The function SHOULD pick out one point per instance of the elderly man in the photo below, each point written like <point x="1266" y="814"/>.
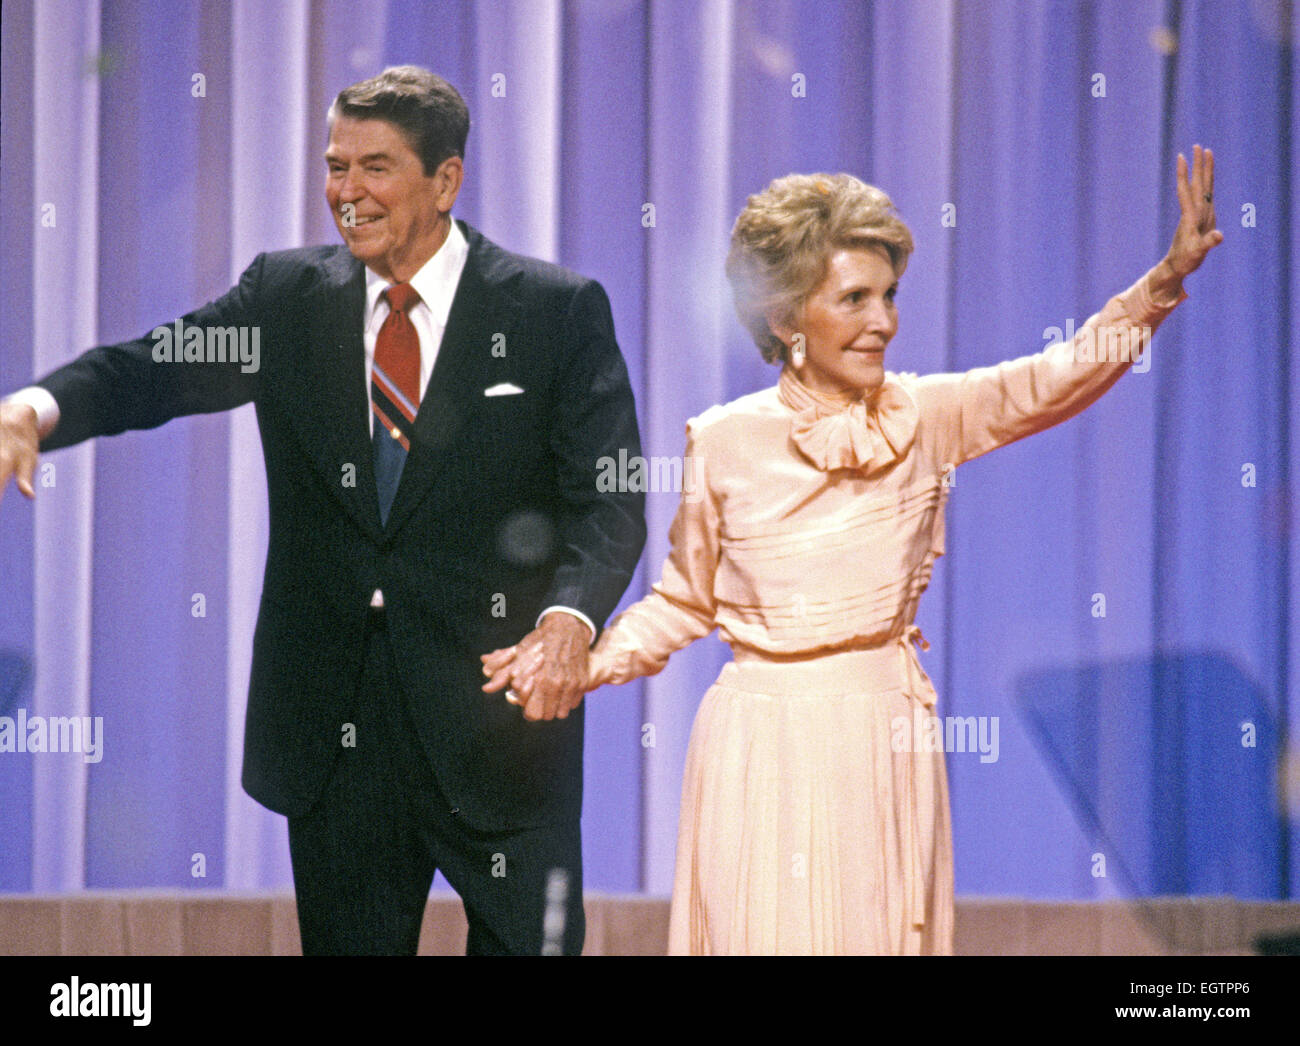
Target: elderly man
<point x="432" y="408"/>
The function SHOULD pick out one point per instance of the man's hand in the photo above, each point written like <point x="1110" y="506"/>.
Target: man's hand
<point x="19" y="444"/>
<point x="546" y="670"/>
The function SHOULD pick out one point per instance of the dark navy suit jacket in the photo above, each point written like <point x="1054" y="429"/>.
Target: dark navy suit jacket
<point x="497" y="517"/>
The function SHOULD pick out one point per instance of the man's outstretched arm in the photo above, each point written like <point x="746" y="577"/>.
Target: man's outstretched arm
<point x="137" y="384"/>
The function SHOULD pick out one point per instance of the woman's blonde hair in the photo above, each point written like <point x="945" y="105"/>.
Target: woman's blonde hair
<point x="783" y="239"/>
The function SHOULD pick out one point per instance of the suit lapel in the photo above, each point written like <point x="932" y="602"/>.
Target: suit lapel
<point x="480" y="310"/>
<point x="332" y="409"/>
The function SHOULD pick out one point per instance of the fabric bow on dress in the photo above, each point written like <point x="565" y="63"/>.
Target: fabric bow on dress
<point x="868" y="434"/>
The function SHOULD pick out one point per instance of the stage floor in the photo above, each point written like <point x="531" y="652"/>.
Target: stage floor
<point x="219" y="923"/>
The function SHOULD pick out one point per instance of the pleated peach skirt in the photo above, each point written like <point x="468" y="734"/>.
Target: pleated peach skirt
<point x="802" y="831"/>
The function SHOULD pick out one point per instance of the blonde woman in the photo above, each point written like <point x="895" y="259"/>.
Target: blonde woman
<point x="816" y="519"/>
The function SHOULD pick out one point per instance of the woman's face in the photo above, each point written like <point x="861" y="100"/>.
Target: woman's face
<point x="846" y="322"/>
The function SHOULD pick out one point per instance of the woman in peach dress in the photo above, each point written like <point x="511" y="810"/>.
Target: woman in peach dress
<point x="806" y="538"/>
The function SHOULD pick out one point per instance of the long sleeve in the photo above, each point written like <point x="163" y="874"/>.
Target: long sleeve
<point x="680" y="607"/>
<point x="976" y="411"/>
<point x="600" y="532"/>
<point x="115" y="388"/>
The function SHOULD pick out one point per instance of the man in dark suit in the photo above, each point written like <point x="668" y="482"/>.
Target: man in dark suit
<point x="432" y="409"/>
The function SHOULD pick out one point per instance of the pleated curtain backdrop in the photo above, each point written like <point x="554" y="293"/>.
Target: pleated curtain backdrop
<point x="1116" y="597"/>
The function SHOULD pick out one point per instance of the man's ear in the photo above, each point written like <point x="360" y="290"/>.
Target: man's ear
<point x="450" y="175"/>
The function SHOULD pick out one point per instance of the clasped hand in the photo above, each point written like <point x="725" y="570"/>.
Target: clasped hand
<point x="546" y="671"/>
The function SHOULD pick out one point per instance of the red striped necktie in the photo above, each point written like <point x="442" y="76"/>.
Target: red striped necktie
<point x="394" y="391"/>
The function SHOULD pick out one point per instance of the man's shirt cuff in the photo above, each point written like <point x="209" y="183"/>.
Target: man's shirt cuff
<point x="569" y="610"/>
<point x="40" y="400"/>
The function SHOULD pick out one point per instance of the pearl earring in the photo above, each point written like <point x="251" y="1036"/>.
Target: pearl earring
<point x="796" y="355"/>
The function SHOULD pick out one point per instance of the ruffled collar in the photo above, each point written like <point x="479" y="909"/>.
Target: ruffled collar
<point x="868" y="433"/>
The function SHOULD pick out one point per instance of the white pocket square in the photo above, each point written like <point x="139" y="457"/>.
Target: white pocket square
<point x="504" y="389"/>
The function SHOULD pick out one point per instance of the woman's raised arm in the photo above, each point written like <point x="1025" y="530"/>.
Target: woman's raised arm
<point x="972" y="412"/>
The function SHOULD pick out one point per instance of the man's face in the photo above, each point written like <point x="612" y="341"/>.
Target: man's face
<point x="392" y="215"/>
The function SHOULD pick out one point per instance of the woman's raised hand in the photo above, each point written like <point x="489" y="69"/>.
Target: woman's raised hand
<point x="1196" y="233"/>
